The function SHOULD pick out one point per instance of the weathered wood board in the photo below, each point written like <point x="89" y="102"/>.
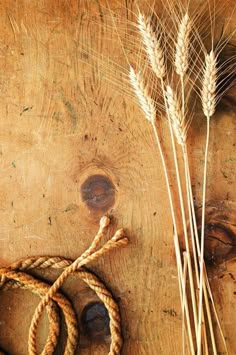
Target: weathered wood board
<point x="73" y="148"/>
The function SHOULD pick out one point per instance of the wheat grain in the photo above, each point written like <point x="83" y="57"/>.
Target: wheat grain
<point x="175" y="115"/>
<point x="145" y="101"/>
<point x="209" y="85"/>
<point x="152" y="45"/>
<point x="182" y="46"/>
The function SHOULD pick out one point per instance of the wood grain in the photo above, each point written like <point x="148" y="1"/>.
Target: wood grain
<point x="61" y="124"/>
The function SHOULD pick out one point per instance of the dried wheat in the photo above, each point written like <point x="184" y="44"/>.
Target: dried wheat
<point x="209" y="85"/>
<point x="208" y="106"/>
<point x="182" y="46"/>
<point x="175" y="115"/>
<point x="152" y="45"/>
<point x="145" y="101"/>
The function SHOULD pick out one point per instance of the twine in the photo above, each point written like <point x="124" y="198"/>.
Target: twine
<point x="16" y="275"/>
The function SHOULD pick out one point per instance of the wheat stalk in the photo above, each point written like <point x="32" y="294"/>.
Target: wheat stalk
<point x="208" y="107"/>
<point x="145" y="100"/>
<point x="153" y="46"/>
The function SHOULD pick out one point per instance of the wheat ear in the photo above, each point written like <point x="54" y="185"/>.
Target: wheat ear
<point x="152" y="45"/>
<point x="208" y="106"/>
<point x="182" y="46"/>
<point x="175" y="114"/>
<point x="209" y="85"/>
<point x="145" y="100"/>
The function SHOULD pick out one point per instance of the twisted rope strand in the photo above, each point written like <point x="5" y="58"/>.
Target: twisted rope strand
<point x="85" y="258"/>
<point x="41" y="288"/>
<point x="16" y="276"/>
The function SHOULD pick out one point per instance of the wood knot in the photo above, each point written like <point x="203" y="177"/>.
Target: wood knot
<point x="95" y="321"/>
<point x="98" y="193"/>
<point x="220" y="232"/>
<point x="219" y="244"/>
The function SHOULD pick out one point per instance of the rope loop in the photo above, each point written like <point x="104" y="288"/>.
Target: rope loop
<point x="17" y="276"/>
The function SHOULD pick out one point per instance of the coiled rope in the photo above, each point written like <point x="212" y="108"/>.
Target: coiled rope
<point x="16" y="275"/>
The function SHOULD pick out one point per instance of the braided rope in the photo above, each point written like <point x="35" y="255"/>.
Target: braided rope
<point x="16" y="276"/>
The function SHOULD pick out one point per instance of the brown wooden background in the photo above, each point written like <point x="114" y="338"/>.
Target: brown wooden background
<point x="61" y="123"/>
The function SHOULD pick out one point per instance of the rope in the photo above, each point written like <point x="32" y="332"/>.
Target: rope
<point x="16" y="275"/>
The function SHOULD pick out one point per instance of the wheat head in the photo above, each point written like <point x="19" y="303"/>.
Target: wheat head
<point x="152" y="46"/>
<point x="208" y="93"/>
<point x="182" y="46"/>
<point x="175" y="115"/>
<point x="145" y="101"/>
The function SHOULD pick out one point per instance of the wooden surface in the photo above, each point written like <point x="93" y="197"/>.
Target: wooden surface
<point x="72" y="148"/>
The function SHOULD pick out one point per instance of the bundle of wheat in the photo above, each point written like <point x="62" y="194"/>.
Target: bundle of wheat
<point x="202" y="74"/>
<point x="178" y="67"/>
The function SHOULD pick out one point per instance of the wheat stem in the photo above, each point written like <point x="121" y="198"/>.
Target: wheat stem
<point x="176" y="243"/>
<point x="208" y="311"/>
<point x="193" y="214"/>
<point x="202" y="240"/>
<point x="208" y="106"/>
<point x="183" y="295"/>
<point x="215" y="312"/>
<point x="173" y="113"/>
<point x="195" y="239"/>
<point x="190" y="211"/>
<point x="194" y="235"/>
<point x="148" y="108"/>
<point x="181" y="202"/>
<point x="166" y="177"/>
<point x="182" y="209"/>
<point x="181" y="280"/>
<point x="185" y="307"/>
<point x="205" y="293"/>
